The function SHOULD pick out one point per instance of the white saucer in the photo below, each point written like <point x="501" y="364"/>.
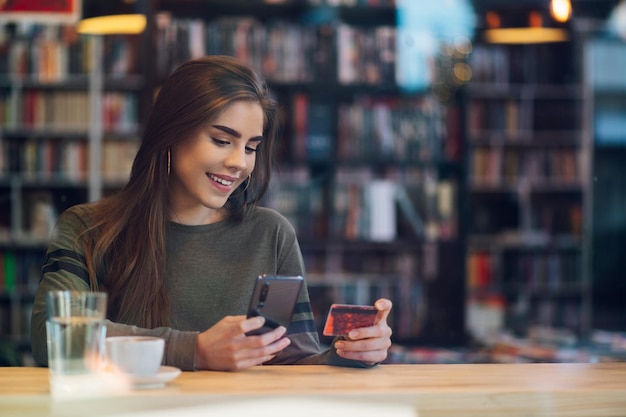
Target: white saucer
<point x="158" y="380"/>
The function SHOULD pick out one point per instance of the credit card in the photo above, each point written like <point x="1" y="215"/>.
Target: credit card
<point x="342" y="318"/>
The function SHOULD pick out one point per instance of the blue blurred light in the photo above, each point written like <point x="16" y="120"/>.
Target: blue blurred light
<point x="423" y="25"/>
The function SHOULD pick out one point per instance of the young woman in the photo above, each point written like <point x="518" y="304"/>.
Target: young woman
<point x="179" y="247"/>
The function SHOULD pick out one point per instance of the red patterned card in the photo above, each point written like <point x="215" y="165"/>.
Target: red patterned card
<point x="342" y="318"/>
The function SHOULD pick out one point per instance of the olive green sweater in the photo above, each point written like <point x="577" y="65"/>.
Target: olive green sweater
<point x="211" y="270"/>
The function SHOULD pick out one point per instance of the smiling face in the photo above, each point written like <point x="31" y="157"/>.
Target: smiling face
<point x="208" y="167"/>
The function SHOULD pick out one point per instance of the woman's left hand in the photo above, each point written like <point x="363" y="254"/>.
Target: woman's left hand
<point x="369" y="344"/>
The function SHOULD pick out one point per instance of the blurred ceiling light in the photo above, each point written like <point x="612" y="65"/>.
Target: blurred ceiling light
<point x="561" y="10"/>
<point x="525" y="35"/>
<point x="524" y="26"/>
<point x="120" y="24"/>
<point x="113" y="17"/>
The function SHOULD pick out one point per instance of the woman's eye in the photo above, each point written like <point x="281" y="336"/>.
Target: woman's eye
<point x="220" y="142"/>
<point x="250" y="150"/>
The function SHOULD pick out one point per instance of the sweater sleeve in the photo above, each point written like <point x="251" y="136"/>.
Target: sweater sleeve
<point x="64" y="268"/>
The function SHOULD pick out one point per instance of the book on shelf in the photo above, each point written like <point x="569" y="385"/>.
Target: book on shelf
<point x="320" y="137"/>
<point x="514" y="269"/>
<point x="300" y="199"/>
<point x="486" y="166"/>
<point x="490" y="64"/>
<point x="380" y="201"/>
<point x="69" y="111"/>
<point x="426" y="203"/>
<point x="53" y="110"/>
<point x="453" y="146"/>
<point x="479" y="273"/>
<point x="365" y="55"/>
<point x="322" y="41"/>
<point x="36" y="158"/>
<point x="283" y="51"/>
<point x="8" y="279"/>
<point x="409" y="211"/>
<point x="500" y="166"/>
<point x="120" y="112"/>
<point x="20" y="270"/>
<point x="41" y="215"/>
<point x="446" y="209"/>
<point x="300" y="123"/>
<point x="117" y="159"/>
<point x="489" y="116"/>
<point x="508" y="65"/>
<point x="283" y="46"/>
<point x="395" y="128"/>
<point x="538" y="272"/>
<point x="55" y="53"/>
<point x="46" y="53"/>
<point x="121" y="55"/>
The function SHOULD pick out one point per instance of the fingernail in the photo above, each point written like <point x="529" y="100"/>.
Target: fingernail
<point x="338" y="345"/>
<point x="353" y="334"/>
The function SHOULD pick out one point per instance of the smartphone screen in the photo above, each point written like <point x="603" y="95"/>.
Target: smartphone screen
<point x="274" y="297"/>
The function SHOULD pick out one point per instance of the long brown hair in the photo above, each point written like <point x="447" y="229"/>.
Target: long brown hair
<point x="125" y="246"/>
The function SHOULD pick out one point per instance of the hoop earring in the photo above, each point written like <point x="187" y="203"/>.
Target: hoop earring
<point x="168" y="162"/>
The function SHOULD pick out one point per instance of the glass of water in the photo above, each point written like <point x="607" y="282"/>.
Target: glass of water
<point x="76" y="334"/>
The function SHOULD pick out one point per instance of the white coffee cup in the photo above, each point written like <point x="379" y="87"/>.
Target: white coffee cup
<point x="135" y="355"/>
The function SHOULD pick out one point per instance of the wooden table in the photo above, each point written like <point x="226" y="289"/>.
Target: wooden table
<point x="432" y="390"/>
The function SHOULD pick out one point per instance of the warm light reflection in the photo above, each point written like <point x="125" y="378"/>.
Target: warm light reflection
<point x="525" y="35"/>
<point x="462" y="72"/>
<point x="493" y="20"/>
<point x="561" y="10"/>
<point x="535" y="20"/>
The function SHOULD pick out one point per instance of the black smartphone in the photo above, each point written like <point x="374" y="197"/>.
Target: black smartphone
<point x="274" y="297"/>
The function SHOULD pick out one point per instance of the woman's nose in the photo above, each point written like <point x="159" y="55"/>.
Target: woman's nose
<point x="236" y="158"/>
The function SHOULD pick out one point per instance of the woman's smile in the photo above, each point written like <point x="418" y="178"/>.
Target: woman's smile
<point x="222" y="182"/>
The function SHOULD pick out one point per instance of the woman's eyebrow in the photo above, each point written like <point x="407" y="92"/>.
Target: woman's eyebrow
<point x="235" y="133"/>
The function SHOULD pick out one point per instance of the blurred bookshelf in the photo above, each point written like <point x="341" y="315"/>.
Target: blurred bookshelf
<point x="527" y="173"/>
<point x="52" y="107"/>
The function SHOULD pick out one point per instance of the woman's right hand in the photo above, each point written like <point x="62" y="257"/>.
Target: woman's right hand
<point x="225" y="346"/>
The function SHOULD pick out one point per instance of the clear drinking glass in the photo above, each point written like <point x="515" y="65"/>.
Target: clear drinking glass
<point x="76" y="334"/>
